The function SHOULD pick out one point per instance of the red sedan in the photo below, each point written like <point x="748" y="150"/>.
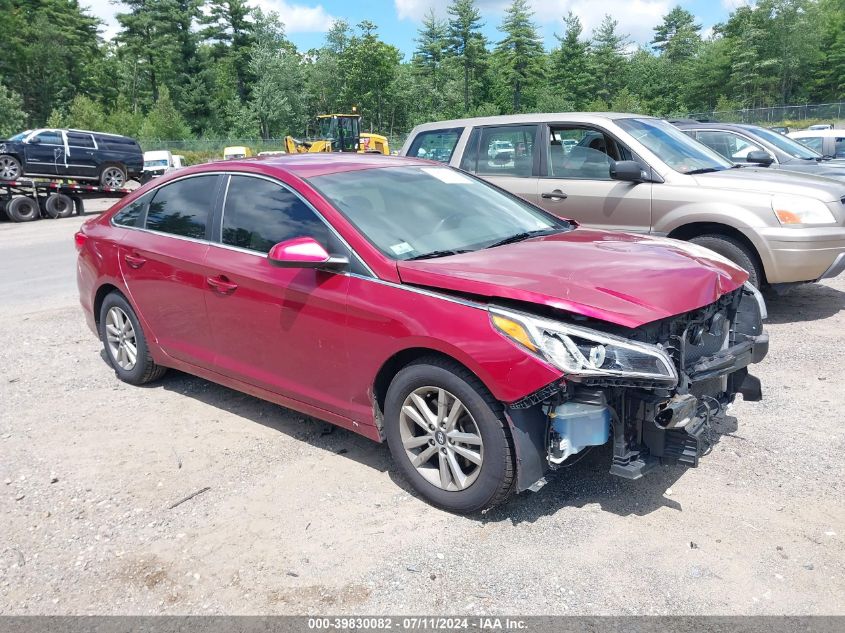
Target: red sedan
<point x="484" y="339"/>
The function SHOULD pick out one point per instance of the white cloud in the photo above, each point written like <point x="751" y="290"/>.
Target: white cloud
<point x="297" y="18"/>
<point x="636" y="18"/>
<point x="416" y="10"/>
<point x="732" y="5"/>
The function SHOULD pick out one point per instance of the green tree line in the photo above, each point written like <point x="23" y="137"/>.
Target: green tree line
<point x="180" y="69"/>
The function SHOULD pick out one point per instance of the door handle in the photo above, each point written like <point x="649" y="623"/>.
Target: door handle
<point x="557" y="194"/>
<point x="221" y="284"/>
<point x="134" y="261"/>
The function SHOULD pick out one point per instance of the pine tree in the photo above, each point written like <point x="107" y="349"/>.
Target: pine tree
<point x="466" y="41"/>
<point x="607" y="60"/>
<point x="678" y="37"/>
<point x="570" y="71"/>
<point x="521" y="50"/>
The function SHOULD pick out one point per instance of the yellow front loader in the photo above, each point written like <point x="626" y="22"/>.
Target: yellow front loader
<point x="339" y="133"/>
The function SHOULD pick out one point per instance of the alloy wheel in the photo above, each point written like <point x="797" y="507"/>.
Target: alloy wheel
<point x="9" y="168"/>
<point x="120" y="334"/>
<point x="441" y="438"/>
<point x="113" y="177"/>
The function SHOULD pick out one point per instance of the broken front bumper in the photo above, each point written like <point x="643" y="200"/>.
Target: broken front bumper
<point x="648" y="427"/>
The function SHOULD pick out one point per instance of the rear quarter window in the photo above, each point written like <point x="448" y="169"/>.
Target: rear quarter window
<point x="436" y="145"/>
<point x="183" y="207"/>
<point x="133" y="213"/>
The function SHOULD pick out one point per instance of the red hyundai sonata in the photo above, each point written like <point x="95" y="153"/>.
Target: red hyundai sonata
<point x="485" y="340"/>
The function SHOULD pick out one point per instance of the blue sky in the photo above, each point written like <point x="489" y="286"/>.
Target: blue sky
<point x="398" y="20"/>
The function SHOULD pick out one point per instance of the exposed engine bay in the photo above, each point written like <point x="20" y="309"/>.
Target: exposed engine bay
<point x="650" y="418"/>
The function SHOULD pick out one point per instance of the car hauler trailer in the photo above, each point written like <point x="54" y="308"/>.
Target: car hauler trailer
<point x="27" y="199"/>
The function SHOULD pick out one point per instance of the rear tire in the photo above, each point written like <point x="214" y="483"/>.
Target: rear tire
<point x="59" y="205"/>
<point x="23" y="209"/>
<point x="735" y="251"/>
<point x="113" y="176"/>
<point x="10" y="168"/>
<point x="125" y="343"/>
<point x="464" y="453"/>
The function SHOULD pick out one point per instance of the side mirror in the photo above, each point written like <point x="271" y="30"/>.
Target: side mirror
<point x="304" y="252"/>
<point x="34" y="140"/>
<point x="626" y="170"/>
<point x="759" y="157"/>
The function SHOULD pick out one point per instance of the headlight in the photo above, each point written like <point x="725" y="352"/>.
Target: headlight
<point x="579" y="351"/>
<point x="799" y="210"/>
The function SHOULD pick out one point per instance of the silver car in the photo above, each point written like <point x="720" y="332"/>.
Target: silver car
<point x="641" y="174"/>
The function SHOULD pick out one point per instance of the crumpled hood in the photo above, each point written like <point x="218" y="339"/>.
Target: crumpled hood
<point x="774" y="181"/>
<point x="621" y="278"/>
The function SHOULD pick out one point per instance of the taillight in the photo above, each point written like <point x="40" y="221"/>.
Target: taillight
<point x="79" y="239"/>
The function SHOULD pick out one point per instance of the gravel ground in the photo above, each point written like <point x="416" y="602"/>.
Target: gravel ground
<point x="300" y="520"/>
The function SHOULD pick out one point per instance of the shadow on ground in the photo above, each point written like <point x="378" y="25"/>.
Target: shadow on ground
<point x="808" y="302"/>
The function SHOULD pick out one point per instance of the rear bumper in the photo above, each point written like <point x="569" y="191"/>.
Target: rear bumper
<point x="808" y="254"/>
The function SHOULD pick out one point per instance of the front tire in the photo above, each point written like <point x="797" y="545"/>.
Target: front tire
<point x="449" y="437"/>
<point x="10" y="167"/>
<point x="735" y="251"/>
<point x="125" y="343"/>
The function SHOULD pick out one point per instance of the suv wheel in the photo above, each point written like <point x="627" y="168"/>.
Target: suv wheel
<point x="10" y="168"/>
<point x="124" y="342"/>
<point x="449" y="436"/>
<point x="735" y="251"/>
<point x="113" y="177"/>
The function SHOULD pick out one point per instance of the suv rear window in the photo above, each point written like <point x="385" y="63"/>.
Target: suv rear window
<point x="436" y="145"/>
<point x="502" y="151"/>
<point x="183" y="207"/>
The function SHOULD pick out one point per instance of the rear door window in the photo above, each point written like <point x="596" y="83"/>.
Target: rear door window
<point x="75" y="139"/>
<point x="436" y="145"/>
<point x="259" y="214"/>
<point x="839" y="147"/>
<point x="506" y="151"/>
<point x="183" y="207"/>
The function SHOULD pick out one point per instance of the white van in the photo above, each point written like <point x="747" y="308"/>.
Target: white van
<point x="159" y="162"/>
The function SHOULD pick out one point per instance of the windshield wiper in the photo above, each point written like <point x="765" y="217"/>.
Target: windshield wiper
<point x="703" y="170"/>
<point x="519" y="237"/>
<point x="436" y="254"/>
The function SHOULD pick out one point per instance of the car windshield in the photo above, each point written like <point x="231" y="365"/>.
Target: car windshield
<point x="786" y="144"/>
<point x="673" y="147"/>
<point x="419" y="212"/>
<point x="20" y="137"/>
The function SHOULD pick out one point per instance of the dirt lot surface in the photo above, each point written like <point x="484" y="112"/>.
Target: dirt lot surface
<point x="296" y="520"/>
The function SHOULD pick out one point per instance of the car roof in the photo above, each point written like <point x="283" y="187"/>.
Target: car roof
<point x="504" y="119"/>
<point x="827" y="132"/>
<point x="713" y="125"/>
<point x="308" y="165"/>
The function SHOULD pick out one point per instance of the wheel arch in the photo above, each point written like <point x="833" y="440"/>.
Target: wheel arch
<point x="102" y="292"/>
<point x="397" y="362"/>
<point x="696" y="229"/>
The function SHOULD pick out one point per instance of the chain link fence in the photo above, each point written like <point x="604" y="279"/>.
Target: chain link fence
<point x="215" y="146"/>
<point x="828" y="112"/>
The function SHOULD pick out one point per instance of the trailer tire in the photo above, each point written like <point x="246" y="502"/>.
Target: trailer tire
<point x="58" y="205"/>
<point x="23" y="209"/>
<point x="113" y="176"/>
<point x="10" y="167"/>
